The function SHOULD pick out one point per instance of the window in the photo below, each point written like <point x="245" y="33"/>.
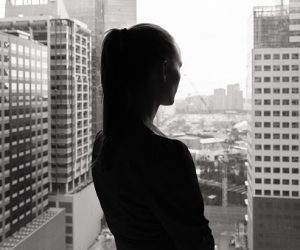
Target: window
<point x="285" y="67"/>
<point x="257" y="102"/>
<point x="276" y="136"/>
<point x="285" y="182"/>
<point x="267" y="79"/>
<point x="295" y="113"/>
<point x="285" y="159"/>
<point x="257" y="191"/>
<point x="267" y="147"/>
<point x="276" y="147"/>
<point x="257" y="68"/>
<point x="276" y="91"/>
<point x="267" y="113"/>
<point x="285" y="79"/>
<point x="276" y="113"/>
<point x="267" y="90"/>
<point x="276" y="124"/>
<point x="257" y="124"/>
<point x="285" y="193"/>
<point x="295" y="90"/>
<point x="295" y="67"/>
<point x="295" y="136"/>
<point x="276" y="67"/>
<point x="257" y="79"/>
<point x="285" y="113"/>
<point x="257" y="90"/>
<point x="276" y="102"/>
<point x="257" y="56"/>
<point x="276" y="79"/>
<point x="257" y="113"/>
<point x="267" y="56"/>
<point x="285" y="171"/>
<point x="295" y="79"/>
<point x="295" y="102"/>
<point x="295" y="56"/>
<point x="257" y="136"/>
<point x="285" y="136"/>
<point x="267" y="102"/>
<point x="267" y="124"/>
<point x="295" y="171"/>
<point x="257" y="180"/>
<point x="295" y="148"/>
<point x="285" y="147"/>
<point x="267" y="136"/>
<point x="267" y="170"/>
<point x="285" y="91"/>
<point x="295" y="182"/>
<point x="276" y="193"/>
<point x="267" y="181"/>
<point x="276" y="56"/>
<point x="285" y="102"/>
<point x="258" y="169"/>
<point x="285" y="56"/>
<point x="267" y="68"/>
<point x="257" y="146"/>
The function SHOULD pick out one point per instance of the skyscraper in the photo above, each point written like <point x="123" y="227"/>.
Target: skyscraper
<point x="234" y="97"/>
<point x="273" y="174"/>
<point x="100" y="16"/>
<point x="219" y="99"/>
<point x="24" y="172"/>
<point x="91" y="12"/>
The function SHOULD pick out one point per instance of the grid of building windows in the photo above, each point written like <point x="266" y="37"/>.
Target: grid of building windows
<point x="24" y="179"/>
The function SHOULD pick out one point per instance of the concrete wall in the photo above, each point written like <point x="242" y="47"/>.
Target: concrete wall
<point x="87" y="214"/>
<point x="49" y="237"/>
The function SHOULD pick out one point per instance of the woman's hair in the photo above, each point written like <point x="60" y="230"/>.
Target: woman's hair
<point x="127" y="57"/>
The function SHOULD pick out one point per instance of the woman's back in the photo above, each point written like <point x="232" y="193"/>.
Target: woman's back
<point x="149" y="192"/>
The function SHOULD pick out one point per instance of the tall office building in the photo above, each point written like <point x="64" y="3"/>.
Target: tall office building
<point x="234" y="98"/>
<point x="69" y="46"/>
<point x="100" y="16"/>
<point x="24" y="171"/>
<point x="91" y="12"/>
<point x="273" y="174"/>
<point x="219" y="99"/>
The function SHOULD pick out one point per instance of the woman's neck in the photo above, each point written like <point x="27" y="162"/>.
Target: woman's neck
<point x="144" y="109"/>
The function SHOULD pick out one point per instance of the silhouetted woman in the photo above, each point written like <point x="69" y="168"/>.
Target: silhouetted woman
<point x="146" y="183"/>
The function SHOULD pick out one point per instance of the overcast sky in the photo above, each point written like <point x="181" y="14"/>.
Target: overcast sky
<point x="214" y="37"/>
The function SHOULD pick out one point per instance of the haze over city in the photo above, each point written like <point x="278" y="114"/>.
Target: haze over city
<point x="213" y="37"/>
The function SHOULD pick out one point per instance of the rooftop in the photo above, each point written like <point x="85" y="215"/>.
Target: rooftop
<point x="25" y="232"/>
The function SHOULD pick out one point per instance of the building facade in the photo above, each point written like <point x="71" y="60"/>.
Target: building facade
<point x="24" y="132"/>
<point x="273" y="172"/>
<point x="92" y="13"/>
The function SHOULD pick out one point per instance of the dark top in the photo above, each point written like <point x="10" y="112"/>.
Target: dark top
<point x="150" y="194"/>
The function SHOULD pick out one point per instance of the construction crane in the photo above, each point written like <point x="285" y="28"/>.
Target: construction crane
<point x="197" y="92"/>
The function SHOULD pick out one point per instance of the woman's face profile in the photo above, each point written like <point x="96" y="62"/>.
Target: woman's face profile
<point x="172" y="78"/>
